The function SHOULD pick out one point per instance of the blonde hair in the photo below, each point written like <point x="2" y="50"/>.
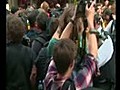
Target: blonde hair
<point x="45" y="6"/>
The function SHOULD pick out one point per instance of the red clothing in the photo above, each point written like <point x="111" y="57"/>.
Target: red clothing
<point x="82" y="80"/>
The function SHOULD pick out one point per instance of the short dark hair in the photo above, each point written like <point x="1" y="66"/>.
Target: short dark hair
<point x="97" y="19"/>
<point x="15" y="29"/>
<point x="32" y="17"/>
<point x="63" y="55"/>
<point x="41" y="20"/>
<point x="14" y="10"/>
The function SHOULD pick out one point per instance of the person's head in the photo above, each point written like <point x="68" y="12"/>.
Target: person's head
<point x="15" y="29"/>
<point x="32" y="17"/>
<point x="57" y="5"/>
<point x="107" y="14"/>
<point x="29" y="9"/>
<point x="22" y="6"/>
<point x="53" y="26"/>
<point x="41" y="20"/>
<point x="64" y="55"/>
<point x="98" y="8"/>
<point x="45" y="6"/>
<point x="14" y="10"/>
<point x="106" y="3"/>
<point x="97" y="21"/>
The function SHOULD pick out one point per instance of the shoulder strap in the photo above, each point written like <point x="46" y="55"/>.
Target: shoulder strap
<point x="68" y="83"/>
<point x="41" y="39"/>
<point x="111" y="31"/>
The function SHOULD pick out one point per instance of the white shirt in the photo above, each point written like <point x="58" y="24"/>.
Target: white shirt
<point x="105" y="52"/>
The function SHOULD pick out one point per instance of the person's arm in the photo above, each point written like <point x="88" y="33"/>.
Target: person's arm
<point x="92" y="40"/>
<point x="57" y="35"/>
<point x="84" y="77"/>
<point x="68" y="29"/>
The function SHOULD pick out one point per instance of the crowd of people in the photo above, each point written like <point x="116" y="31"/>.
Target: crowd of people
<point x="61" y="48"/>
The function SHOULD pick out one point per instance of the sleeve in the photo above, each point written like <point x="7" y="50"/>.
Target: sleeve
<point x="51" y="45"/>
<point x="83" y="78"/>
<point x="105" y="52"/>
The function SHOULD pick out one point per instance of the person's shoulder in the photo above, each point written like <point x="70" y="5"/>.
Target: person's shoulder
<point x="29" y="51"/>
<point x="54" y="40"/>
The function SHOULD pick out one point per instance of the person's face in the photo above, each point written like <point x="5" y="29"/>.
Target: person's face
<point x="107" y="17"/>
<point x="106" y="2"/>
<point x="99" y="10"/>
<point x="97" y="25"/>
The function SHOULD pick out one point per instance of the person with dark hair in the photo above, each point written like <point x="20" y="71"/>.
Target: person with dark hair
<point x="40" y="40"/>
<point x="14" y="10"/>
<point x="41" y="22"/>
<point x="31" y="33"/>
<point x="64" y="57"/>
<point x="98" y="8"/>
<point x="106" y="55"/>
<point x="107" y="17"/>
<point x="20" y="58"/>
<point x="32" y="18"/>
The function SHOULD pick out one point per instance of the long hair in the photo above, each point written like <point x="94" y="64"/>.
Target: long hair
<point x="65" y="19"/>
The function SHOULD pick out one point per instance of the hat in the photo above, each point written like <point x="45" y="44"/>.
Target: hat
<point x="107" y="12"/>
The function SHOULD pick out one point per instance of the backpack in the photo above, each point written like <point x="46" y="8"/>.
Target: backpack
<point x="68" y="83"/>
<point x="29" y="37"/>
<point x="42" y="62"/>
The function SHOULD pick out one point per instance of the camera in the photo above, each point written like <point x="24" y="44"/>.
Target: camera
<point x="81" y="7"/>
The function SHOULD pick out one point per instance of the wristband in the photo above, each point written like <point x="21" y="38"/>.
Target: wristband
<point x="94" y="32"/>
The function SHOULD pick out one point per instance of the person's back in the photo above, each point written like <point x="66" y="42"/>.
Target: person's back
<point x="19" y="63"/>
<point x="41" y="21"/>
<point x="19" y="59"/>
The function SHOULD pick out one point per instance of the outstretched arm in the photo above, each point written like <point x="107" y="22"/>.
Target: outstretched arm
<point x="68" y="29"/>
<point x="92" y="40"/>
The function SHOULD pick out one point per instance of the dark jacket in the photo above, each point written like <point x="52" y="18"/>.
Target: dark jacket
<point x="39" y="42"/>
<point x="19" y="61"/>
